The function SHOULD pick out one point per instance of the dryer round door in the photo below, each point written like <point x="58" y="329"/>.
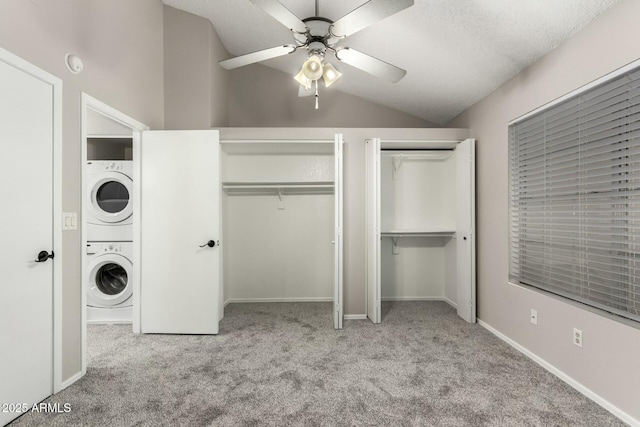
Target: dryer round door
<point x="110" y="197"/>
<point x="109" y="281"/>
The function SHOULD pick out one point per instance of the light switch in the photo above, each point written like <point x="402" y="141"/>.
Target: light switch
<point x="69" y="221"/>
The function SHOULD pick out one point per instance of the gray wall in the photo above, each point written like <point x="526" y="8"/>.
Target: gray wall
<point x="195" y="87"/>
<point x="608" y="364"/>
<point x="262" y="96"/>
<point x="120" y="42"/>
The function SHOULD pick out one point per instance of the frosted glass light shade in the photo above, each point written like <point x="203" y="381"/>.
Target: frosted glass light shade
<point x="303" y="80"/>
<point x="312" y="67"/>
<point x="330" y="74"/>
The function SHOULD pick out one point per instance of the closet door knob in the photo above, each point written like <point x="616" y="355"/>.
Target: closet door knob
<point x="464" y="238"/>
<point x="210" y="243"/>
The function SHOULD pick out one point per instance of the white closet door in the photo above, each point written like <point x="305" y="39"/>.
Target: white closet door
<point x="338" y="238"/>
<point x="179" y="215"/>
<point x="465" y="230"/>
<point x="374" y="260"/>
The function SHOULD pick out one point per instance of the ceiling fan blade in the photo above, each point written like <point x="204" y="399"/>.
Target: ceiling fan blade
<point x="370" y="64"/>
<point x="367" y="14"/>
<point x="281" y="14"/>
<point x="261" y="55"/>
<point x="302" y="91"/>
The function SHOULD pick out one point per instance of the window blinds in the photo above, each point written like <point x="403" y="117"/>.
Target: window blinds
<point x="574" y="202"/>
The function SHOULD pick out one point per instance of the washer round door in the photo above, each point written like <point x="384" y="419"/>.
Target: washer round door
<point x="110" y="197"/>
<point x="109" y="281"/>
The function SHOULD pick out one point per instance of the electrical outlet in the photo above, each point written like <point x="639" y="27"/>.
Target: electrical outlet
<point x="577" y="337"/>
<point x="534" y="316"/>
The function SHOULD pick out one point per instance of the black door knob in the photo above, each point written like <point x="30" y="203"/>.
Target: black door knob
<point x="210" y="243"/>
<point x="44" y="255"/>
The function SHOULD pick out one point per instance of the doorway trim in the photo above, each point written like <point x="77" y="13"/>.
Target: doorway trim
<point x="56" y="86"/>
<point x="89" y="102"/>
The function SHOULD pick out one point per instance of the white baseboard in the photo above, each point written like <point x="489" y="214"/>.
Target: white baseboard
<point x="413" y="299"/>
<point x="451" y="303"/>
<point x="66" y="383"/>
<point x="355" y="317"/>
<point x="311" y="299"/>
<point x="227" y="302"/>
<point x="444" y="299"/>
<point x="564" y="377"/>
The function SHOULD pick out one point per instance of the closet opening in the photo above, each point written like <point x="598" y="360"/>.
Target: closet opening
<point x="420" y="225"/>
<point x="282" y="213"/>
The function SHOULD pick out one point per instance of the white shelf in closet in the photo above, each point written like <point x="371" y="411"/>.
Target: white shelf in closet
<point x="257" y="188"/>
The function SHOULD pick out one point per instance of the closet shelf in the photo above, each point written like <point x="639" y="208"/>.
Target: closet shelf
<point x="278" y="188"/>
<point x="432" y="155"/>
<point x="127" y="137"/>
<point x="418" y="233"/>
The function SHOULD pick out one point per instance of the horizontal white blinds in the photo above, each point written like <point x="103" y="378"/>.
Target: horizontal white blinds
<point x="574" y="172"/>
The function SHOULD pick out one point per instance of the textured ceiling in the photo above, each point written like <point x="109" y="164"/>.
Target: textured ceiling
<point x="455" y="51"/>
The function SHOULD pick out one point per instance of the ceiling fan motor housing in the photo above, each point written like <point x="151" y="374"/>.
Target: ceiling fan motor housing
<point x="318" y="35"/>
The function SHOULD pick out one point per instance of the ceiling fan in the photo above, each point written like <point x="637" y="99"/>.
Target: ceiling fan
<point x="318" y="35"/>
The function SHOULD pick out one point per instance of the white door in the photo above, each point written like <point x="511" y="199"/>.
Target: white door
<point x="26" y="227"/>
<point x="180" y="232"/>
<point x="373" y="230"/>
<point x="465" y="230"/>
<point x="338" y="238"/>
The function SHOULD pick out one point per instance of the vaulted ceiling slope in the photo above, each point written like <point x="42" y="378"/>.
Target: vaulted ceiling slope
<point x="455" y="51"/>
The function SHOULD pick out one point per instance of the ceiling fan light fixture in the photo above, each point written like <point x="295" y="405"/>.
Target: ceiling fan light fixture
<point x="312" y="67"/>
<point x="303" y="80"/>
<point x="330" y="74"/>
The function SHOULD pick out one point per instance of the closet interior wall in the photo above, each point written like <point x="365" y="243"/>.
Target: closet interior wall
<point x="418" y="195"/>
<point x="278" y="215"/>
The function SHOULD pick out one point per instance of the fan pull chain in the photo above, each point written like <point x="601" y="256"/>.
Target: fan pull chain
<point x="316" y="94"/>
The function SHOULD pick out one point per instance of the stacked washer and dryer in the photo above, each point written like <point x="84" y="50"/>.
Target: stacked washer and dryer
<point x="109" y="241"/>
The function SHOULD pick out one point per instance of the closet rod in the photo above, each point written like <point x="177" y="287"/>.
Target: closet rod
<point x="421" y="141"/>
<point x="274" y="186"/>
<point x="442" y="155"/>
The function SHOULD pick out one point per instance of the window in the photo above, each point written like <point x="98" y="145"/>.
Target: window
<point x="574" y="202"/>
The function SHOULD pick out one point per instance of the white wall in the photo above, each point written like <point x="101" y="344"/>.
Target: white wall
<point x="278" y="249"/>
<point x="120" y="42"/>
<point x="279" y="254"/>
<point x="608" y="364"/>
